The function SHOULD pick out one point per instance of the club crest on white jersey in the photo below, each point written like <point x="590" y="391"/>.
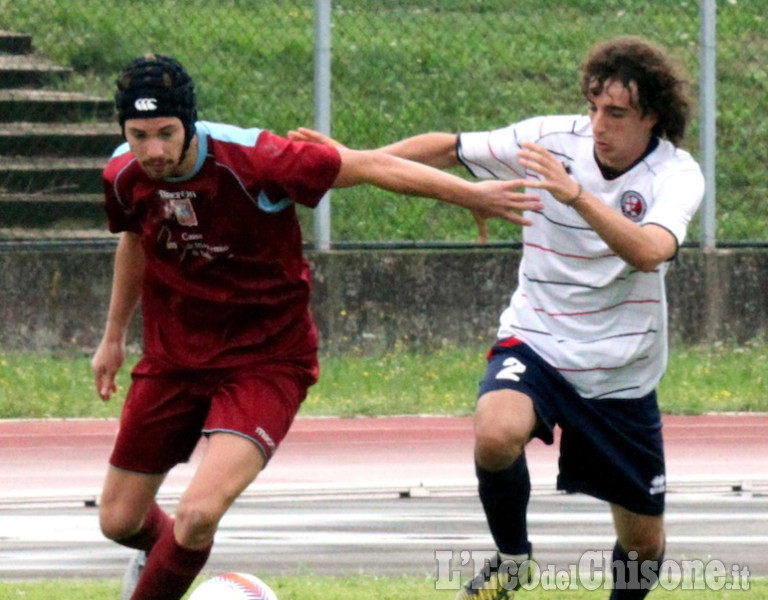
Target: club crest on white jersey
<point x="633" y="206"/>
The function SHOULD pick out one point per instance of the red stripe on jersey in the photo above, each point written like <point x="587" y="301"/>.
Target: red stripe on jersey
<point x="639" y="358"/>
<point x="511" y="167"/>
<point x="594" y="312"/>
<point x="579" y="256"/>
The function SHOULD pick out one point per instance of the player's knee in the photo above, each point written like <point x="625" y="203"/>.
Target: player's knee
<point x="118" y="525"/>
<point x="496" y="450"/>
<point x="649" y="549"/>
<point x="648" y="546"/>
<point x="504" y="421"/>
<point x="197" y="521"/>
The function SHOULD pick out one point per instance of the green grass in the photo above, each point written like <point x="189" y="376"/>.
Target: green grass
<point x="353" y="588"/>
<point x="699" y="380"/>
<point x="715" y="379"/>
<point x="406" y="66"/>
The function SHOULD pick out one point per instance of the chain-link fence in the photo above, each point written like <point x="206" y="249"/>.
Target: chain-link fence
<point x="399" y="67"/>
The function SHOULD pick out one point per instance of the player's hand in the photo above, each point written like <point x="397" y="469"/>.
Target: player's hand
<point x="554" y="178"/>
<point x="502" y="200"/>
<point x="302" y="134"/>
<point x="106" y="362"/>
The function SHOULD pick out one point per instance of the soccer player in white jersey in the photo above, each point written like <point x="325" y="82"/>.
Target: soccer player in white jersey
<point x="583" y="342"/>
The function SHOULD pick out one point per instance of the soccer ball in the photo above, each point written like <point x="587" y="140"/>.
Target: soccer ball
<point x="233" y="586"/>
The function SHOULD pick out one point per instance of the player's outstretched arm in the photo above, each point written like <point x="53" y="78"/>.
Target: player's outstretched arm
<point x="434" y="149"/>
<point x="304" y="134"/>
<point x="499" y="199"/>
<point x="126" y="291"/>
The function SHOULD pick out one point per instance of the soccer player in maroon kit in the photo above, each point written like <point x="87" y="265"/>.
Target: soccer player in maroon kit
<point x="211" y="246"/>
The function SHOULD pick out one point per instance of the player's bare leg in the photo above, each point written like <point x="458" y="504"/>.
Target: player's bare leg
<point x="504" y="423"/>
<point x="641" y="538"/>
<point x="230" y="463"/>
<point x="126" y="500"/>
<point x="129" y="515"/>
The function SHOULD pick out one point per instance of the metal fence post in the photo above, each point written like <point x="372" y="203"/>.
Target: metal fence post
<point x="708" y="104"/>
<point x="322" y="214"/>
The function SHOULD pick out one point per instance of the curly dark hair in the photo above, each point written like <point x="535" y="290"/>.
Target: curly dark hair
<point x="661" y="90"/>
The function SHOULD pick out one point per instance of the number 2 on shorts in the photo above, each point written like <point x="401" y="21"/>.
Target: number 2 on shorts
<point x="512" y="370"/>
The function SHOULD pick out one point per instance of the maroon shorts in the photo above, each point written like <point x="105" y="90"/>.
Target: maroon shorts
<point x="166" y="412"/>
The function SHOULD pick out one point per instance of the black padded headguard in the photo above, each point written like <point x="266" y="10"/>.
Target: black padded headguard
<point x="157" y="86"/>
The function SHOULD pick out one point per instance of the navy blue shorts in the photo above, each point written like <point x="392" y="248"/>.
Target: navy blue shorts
<point x="611" y="449"/>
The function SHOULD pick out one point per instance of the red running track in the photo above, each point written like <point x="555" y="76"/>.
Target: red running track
<point x="42" y="460"/>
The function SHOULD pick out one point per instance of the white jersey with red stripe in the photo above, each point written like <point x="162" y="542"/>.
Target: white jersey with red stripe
<point x="599" y="321"/>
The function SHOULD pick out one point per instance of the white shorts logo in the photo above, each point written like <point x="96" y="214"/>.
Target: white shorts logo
<point x="143" y="104"/>
<point x="658" y="485"/>
<point x="266" y="438"/>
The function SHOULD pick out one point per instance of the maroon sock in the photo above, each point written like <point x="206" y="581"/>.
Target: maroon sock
<point x="154" y="524"/>
<point x="170" y="569"/>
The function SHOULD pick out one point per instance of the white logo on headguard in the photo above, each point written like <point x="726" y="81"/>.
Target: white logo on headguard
<point x="143" y="104"/>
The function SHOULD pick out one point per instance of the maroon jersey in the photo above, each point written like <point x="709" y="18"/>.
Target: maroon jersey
<point x="225" y="281"/>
